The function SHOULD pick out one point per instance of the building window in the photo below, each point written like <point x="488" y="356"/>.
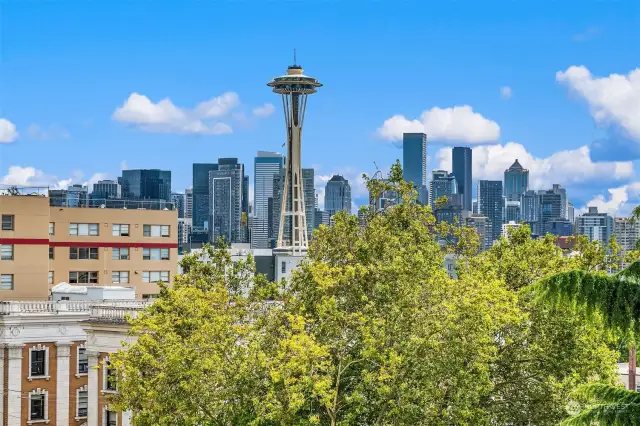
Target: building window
<point x="6" y="252"/>
<point x="120" y="277"/>
<point x="155" y="276"/>
<point x="6" y="282"/>
<point x="38" y="362"/>
<point x="110" y="418"/>
<point x="120" y="254"/>
<point x="52" y="228"/>
<point x="120" y="230"/>
<point x="82" y="396"/>
<point x="83" y="253"/>
<point x="155" y="230"/>
<point x="7" y="222"/>
<point x="50" y="277"/>
<point x="283" y="267"/>
<point x="83" y="360"/>
<point x="149" y="296"/>
<point x="83" y="229"/>
<point x="155" y="254"/>
<point x="109" y="376"/>
<point x="38" y="405"/>
<point x="51" y="253"/>
<point x="83" y="277"/>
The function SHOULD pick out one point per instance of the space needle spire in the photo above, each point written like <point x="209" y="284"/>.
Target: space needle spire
<point x="294" y="87"/>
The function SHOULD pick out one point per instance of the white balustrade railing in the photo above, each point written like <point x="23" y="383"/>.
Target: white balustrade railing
<point x="63" y="306"/>
<point x="113" y="313"/>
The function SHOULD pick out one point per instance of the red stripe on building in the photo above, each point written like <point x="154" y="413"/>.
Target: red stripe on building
<point x="44" y="241"/>
<point x="29" y="241"/>
<point x="116" y="245"/>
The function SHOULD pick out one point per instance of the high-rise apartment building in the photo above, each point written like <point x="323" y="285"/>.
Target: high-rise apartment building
<point x="627" y="233"/>
<point x="177" y="199"/>
<point x="226" y="195"/>
<point x="451" y="211"/>
<point x="188" y="203"/>
<point x="337" y="195"/>
<point x="482" y="225"/>
<point x="442" y="184"/>
<point x="321" y="218"/>
<point x="267" y="165"/>
<point x="462" y="170"/>
<point x="146" y="184"/>
<point x="512" y="211"/>
<point x="44" y="244"/>
<point x="596" y="226"/>
<point x="559" y="227"/>
<point x="200" y="194"/>
<point x="106" y="189"/>
<point x="414" y="162"/>
<point x="516" y="182"/>
<point x="491" y="205"/>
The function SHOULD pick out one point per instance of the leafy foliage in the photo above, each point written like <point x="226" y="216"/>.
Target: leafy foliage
<point x="370" y="330"/>
<point x="610" y="405"/>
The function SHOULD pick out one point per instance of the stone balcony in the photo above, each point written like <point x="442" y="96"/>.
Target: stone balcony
<point x="79" y="307"/>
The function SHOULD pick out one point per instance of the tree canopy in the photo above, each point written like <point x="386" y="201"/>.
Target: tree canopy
<point x="370" y="330"/>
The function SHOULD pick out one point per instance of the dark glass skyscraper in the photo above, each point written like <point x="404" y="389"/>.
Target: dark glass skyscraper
<point x="491" y="205"/>
<point x="414" y="158"/>
<point x="462" y="171"/>
<point x="200" y="193"/>
<point x="516" y="182"/>
<point x="146" y="184"/>
<point x="337" y="195"/>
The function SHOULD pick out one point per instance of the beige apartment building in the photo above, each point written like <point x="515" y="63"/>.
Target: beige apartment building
<point x="43" y="245"/>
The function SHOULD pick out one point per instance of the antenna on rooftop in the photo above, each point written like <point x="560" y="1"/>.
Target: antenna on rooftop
<point x="294" y="57"/>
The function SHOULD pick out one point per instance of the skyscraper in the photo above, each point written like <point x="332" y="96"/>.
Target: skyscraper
<point x="177" y="198"/>
<point x="267" y="165"/>
<point x="226" y="198"/>
<point x="516" y="181"/>
<point x="462" y="171"/>
<point x="442" y="184"/>
<point x="627" y="233"/>
<point x="188" y="203"/>
<point x="491" y="205"/>
<point x="146" y="184"/>
<point x="596" y="226"/>
<point x="106" y="189"/>
<point x="200" y="194"/>
<point x="414" y="162"/>
<point x="77" y="196"/>
<point x="337" y="195"/>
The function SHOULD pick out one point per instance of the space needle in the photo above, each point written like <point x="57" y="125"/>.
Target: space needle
<point x="294" y="87"/>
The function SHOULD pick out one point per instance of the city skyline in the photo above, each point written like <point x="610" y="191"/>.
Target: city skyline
<point x="547" y="112"/>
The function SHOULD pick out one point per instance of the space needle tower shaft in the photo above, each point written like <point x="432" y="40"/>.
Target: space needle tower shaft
<point x="294" y="87"/>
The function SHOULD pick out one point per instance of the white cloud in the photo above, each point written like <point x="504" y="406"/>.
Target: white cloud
<point x="8" y="131"/>
<point x="563" y="167"/>
<point x="165" y="117"/>
<point x="613" y="100"/>
<point x="30" y="176"/>
<point x="589" y="33"/>
<point x="124" y="165"/>
<point x="35" y="131"/>
<point x="506" y="92"/>
<point x="264" y="111"/>
<point x="459" y="123"/>
<point x="619" y="202"/>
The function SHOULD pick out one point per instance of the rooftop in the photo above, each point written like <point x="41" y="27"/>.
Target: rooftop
<point x="49" y="307"/>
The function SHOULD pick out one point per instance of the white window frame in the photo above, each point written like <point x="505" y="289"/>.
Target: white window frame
<point x="146" y="276"/>
<point x="10" y="250"/>
<point x="78" y="229"/>
<point x="119" y="250"/>
<point x="44" y="392"/>
<point x="78" y="373"/>
<point x="51" y="277"/>
<point x="11" y="278"/>
<point x="120" y="281"/>
<point x="52" y="228"/>
<point x="117" y="230"/>
<point x="105" y="376"/>
<point x="81" y="389"/>
<point x="155" y="253"/>
<point x="40" y="347"/>
<point x="156" y="231"/>
<point x="104" y="416"/>
<point x="12" y="220"/>
<point x="88" y="277"/>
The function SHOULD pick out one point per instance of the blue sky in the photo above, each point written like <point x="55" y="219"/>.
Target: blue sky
<point x="66" y="67"/>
